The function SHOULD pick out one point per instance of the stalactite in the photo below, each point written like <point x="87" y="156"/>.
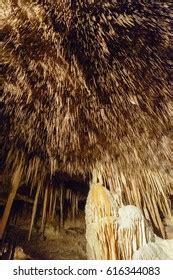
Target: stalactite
<point x="34" y="209"/>
<point x="45" y="209"/>
<point x="50" y="195"/>
<point x="61" y="207"/>
<point x="54" y="206"/>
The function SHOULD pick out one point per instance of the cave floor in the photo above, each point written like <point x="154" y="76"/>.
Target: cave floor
<point x="67" y="244"/>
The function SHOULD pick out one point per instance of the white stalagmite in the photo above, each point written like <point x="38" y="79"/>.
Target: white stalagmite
<point x="101" y="226"/>
<point x="113" y="232"/>
<point x="133" y="231"/>
<point x="159" y="250"/>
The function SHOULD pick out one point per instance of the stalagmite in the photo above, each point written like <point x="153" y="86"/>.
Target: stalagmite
<point x="113" y="232"/>
<point x="19" y="254"/>
<point x="159" y="250"/>
<point x="101" y="225"/>
<point x="133" y="231"/>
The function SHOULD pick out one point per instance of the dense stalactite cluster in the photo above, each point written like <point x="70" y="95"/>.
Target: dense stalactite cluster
<point x="87" y="86"/>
